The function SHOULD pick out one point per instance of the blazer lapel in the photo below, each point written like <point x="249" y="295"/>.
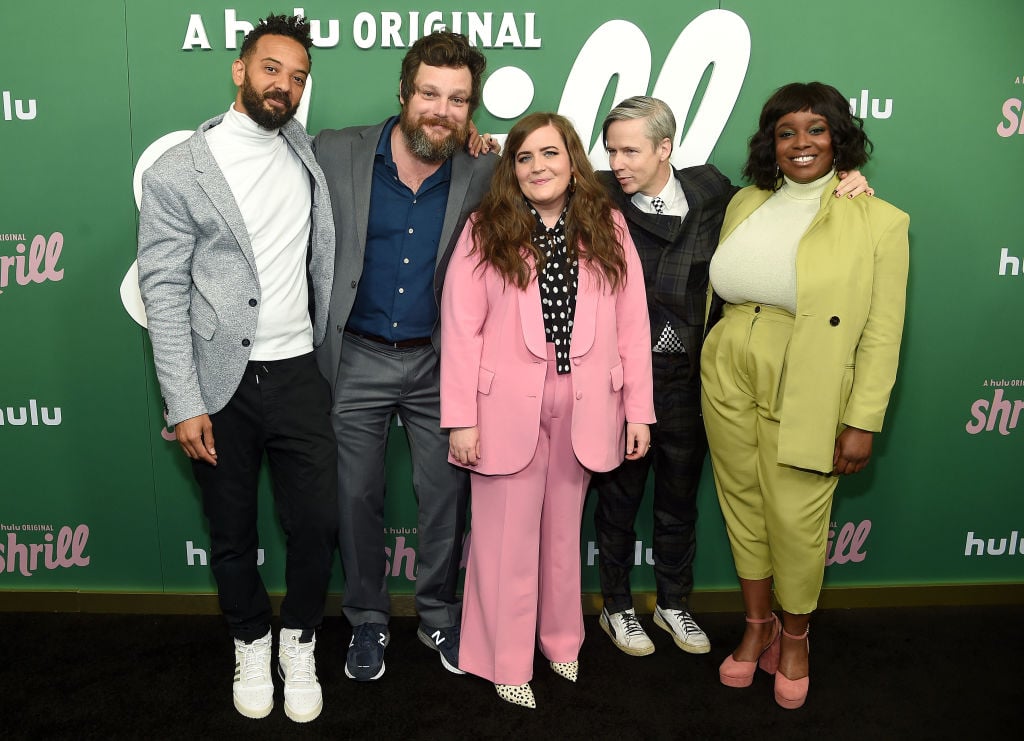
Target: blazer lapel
<point x="462" y="175"/>
<point x="584" y="323"/>
<point x="364" y="150"/>
<point x="298" y="140"/>
<point x="212" y="181"/>
<point x="532" y="317"/>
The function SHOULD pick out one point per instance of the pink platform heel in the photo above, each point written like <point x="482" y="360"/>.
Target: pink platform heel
<point x="733" y="673"/>
<point x="792" y="693"/>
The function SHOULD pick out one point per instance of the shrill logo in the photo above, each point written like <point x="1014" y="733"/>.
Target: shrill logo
<point x="1013" y="121"/>
<point x="401" y="559"/>
<point x="846" y="543"/>
<point x="999" y="413"/>
<point x="167" y="431"/>
<point x="23" y="110"/>
<point x="33" y="415"/>
<point x="36" y="263"/>
<point x="978" y="546"/>
<point x="63" y="551"/>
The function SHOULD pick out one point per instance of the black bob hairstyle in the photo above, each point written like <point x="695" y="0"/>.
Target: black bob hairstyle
<point x="850" y="144"/>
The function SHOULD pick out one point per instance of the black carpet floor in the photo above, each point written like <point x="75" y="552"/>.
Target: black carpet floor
<point x="915" y="673"/>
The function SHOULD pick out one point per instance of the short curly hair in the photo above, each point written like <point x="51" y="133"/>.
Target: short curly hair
<point x="293" y="26"/>
<point x="850" y="144"/>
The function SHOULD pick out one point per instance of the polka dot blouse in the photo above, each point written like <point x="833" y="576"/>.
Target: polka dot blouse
<point x="558" y="282"/>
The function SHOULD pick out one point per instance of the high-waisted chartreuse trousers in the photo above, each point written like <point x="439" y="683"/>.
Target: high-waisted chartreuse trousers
<point x="777" y="516"/>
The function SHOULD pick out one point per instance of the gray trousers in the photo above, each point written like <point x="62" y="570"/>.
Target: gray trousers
<point x="374" y="383"/>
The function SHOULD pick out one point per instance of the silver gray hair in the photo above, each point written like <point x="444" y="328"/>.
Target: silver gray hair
<point x="661" y="124"/>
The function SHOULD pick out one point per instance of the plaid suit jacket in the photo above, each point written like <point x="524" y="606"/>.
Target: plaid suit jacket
<point x="676" y="253"/>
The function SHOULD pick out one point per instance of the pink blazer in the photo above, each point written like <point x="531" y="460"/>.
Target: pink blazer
<point x="493" y="361"/>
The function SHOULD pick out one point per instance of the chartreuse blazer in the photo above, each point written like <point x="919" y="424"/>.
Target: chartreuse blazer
<point x="851" y="276"/>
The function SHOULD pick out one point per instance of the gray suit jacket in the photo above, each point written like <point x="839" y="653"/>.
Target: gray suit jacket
<point x="346" y="156"/>
<point x="197" y="272"/>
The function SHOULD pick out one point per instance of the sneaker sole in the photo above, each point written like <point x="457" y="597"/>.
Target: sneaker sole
<point x="254" y="713"/>
<point x="303" y="717"/>
<point x="429" y="643"/>
<point x="292" y="713"/>
<point x="378" y="675"/>
<point x="625" y="649"/>
<point x="660" y="622"/>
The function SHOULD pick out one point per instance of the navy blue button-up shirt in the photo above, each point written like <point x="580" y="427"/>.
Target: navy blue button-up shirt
<point x="395" y="298"/>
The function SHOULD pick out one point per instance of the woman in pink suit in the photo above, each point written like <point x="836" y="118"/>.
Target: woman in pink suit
<point x="545" y="377"/>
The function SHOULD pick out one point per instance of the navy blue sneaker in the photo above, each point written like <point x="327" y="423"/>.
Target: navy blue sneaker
<point x="365" y="661"/>
<point x="446" y="642"/>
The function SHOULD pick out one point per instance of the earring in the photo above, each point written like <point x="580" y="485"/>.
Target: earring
<point x="778" y="171"/>
<point x="572" y="183"/>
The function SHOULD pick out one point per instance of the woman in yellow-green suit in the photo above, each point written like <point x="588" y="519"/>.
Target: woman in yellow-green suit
<point x="797" y="373"/>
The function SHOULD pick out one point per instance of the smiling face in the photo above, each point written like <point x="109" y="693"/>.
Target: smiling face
<point x="803" y="146"/>
<point x="434" y="119"/>
<point x="638" y="163"/>
<point x="270" y="80"/>
<point x="543" y="170"/>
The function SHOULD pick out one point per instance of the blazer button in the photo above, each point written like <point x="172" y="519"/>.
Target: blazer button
<point x="353" y="284"/>
<point x="245" y="343"/>
<point x="252" y="302"/>
<point x="579" y="394"/>
<point x="757" y="309"/>
<point x="834" y="321"/>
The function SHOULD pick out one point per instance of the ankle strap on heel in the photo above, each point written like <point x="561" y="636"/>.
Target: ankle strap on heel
<point x="759" y="621"/>
<point x="798" y="637"/>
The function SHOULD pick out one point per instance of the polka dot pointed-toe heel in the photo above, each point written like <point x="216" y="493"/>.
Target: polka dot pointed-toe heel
<point x="517" y="694"/>
<point x="568" y="669"/>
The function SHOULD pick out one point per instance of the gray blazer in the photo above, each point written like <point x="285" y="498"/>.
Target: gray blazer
<point x="346" y="156"/>
<point x="197" y="272"/>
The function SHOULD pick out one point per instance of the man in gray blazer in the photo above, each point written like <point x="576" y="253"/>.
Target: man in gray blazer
<point x="401" y="192"/>
<point x="236" y="244"/>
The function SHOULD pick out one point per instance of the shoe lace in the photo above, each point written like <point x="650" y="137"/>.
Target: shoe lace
<point x="254" y="664"/>
<point x="630" y="625"/>
<point x="365" y="636"/>
<point x="689" y="624"/>
<point x="301" y="665"/>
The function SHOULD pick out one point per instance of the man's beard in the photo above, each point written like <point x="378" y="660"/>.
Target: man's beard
<point x="267" y="118"/>
<point x="425" y="148"/>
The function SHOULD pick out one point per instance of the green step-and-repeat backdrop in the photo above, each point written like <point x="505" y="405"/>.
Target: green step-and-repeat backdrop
<point x="95" y="494"/>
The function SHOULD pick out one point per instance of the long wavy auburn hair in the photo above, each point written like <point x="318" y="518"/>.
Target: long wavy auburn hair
<point x="504" y="225"/>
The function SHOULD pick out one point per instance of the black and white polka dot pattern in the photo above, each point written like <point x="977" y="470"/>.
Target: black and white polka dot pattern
<point x="568" y="669"/>
<point x="517" y="694"/>
<point x="558" y="283"/>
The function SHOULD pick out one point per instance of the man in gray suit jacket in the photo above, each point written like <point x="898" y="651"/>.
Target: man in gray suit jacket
<point x="401" y="192"/>
<point x="236" y="244"/>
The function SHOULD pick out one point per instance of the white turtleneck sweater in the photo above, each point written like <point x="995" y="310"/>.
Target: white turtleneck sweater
<point x="757" y="262"/>
<point x="272" y="189"/>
